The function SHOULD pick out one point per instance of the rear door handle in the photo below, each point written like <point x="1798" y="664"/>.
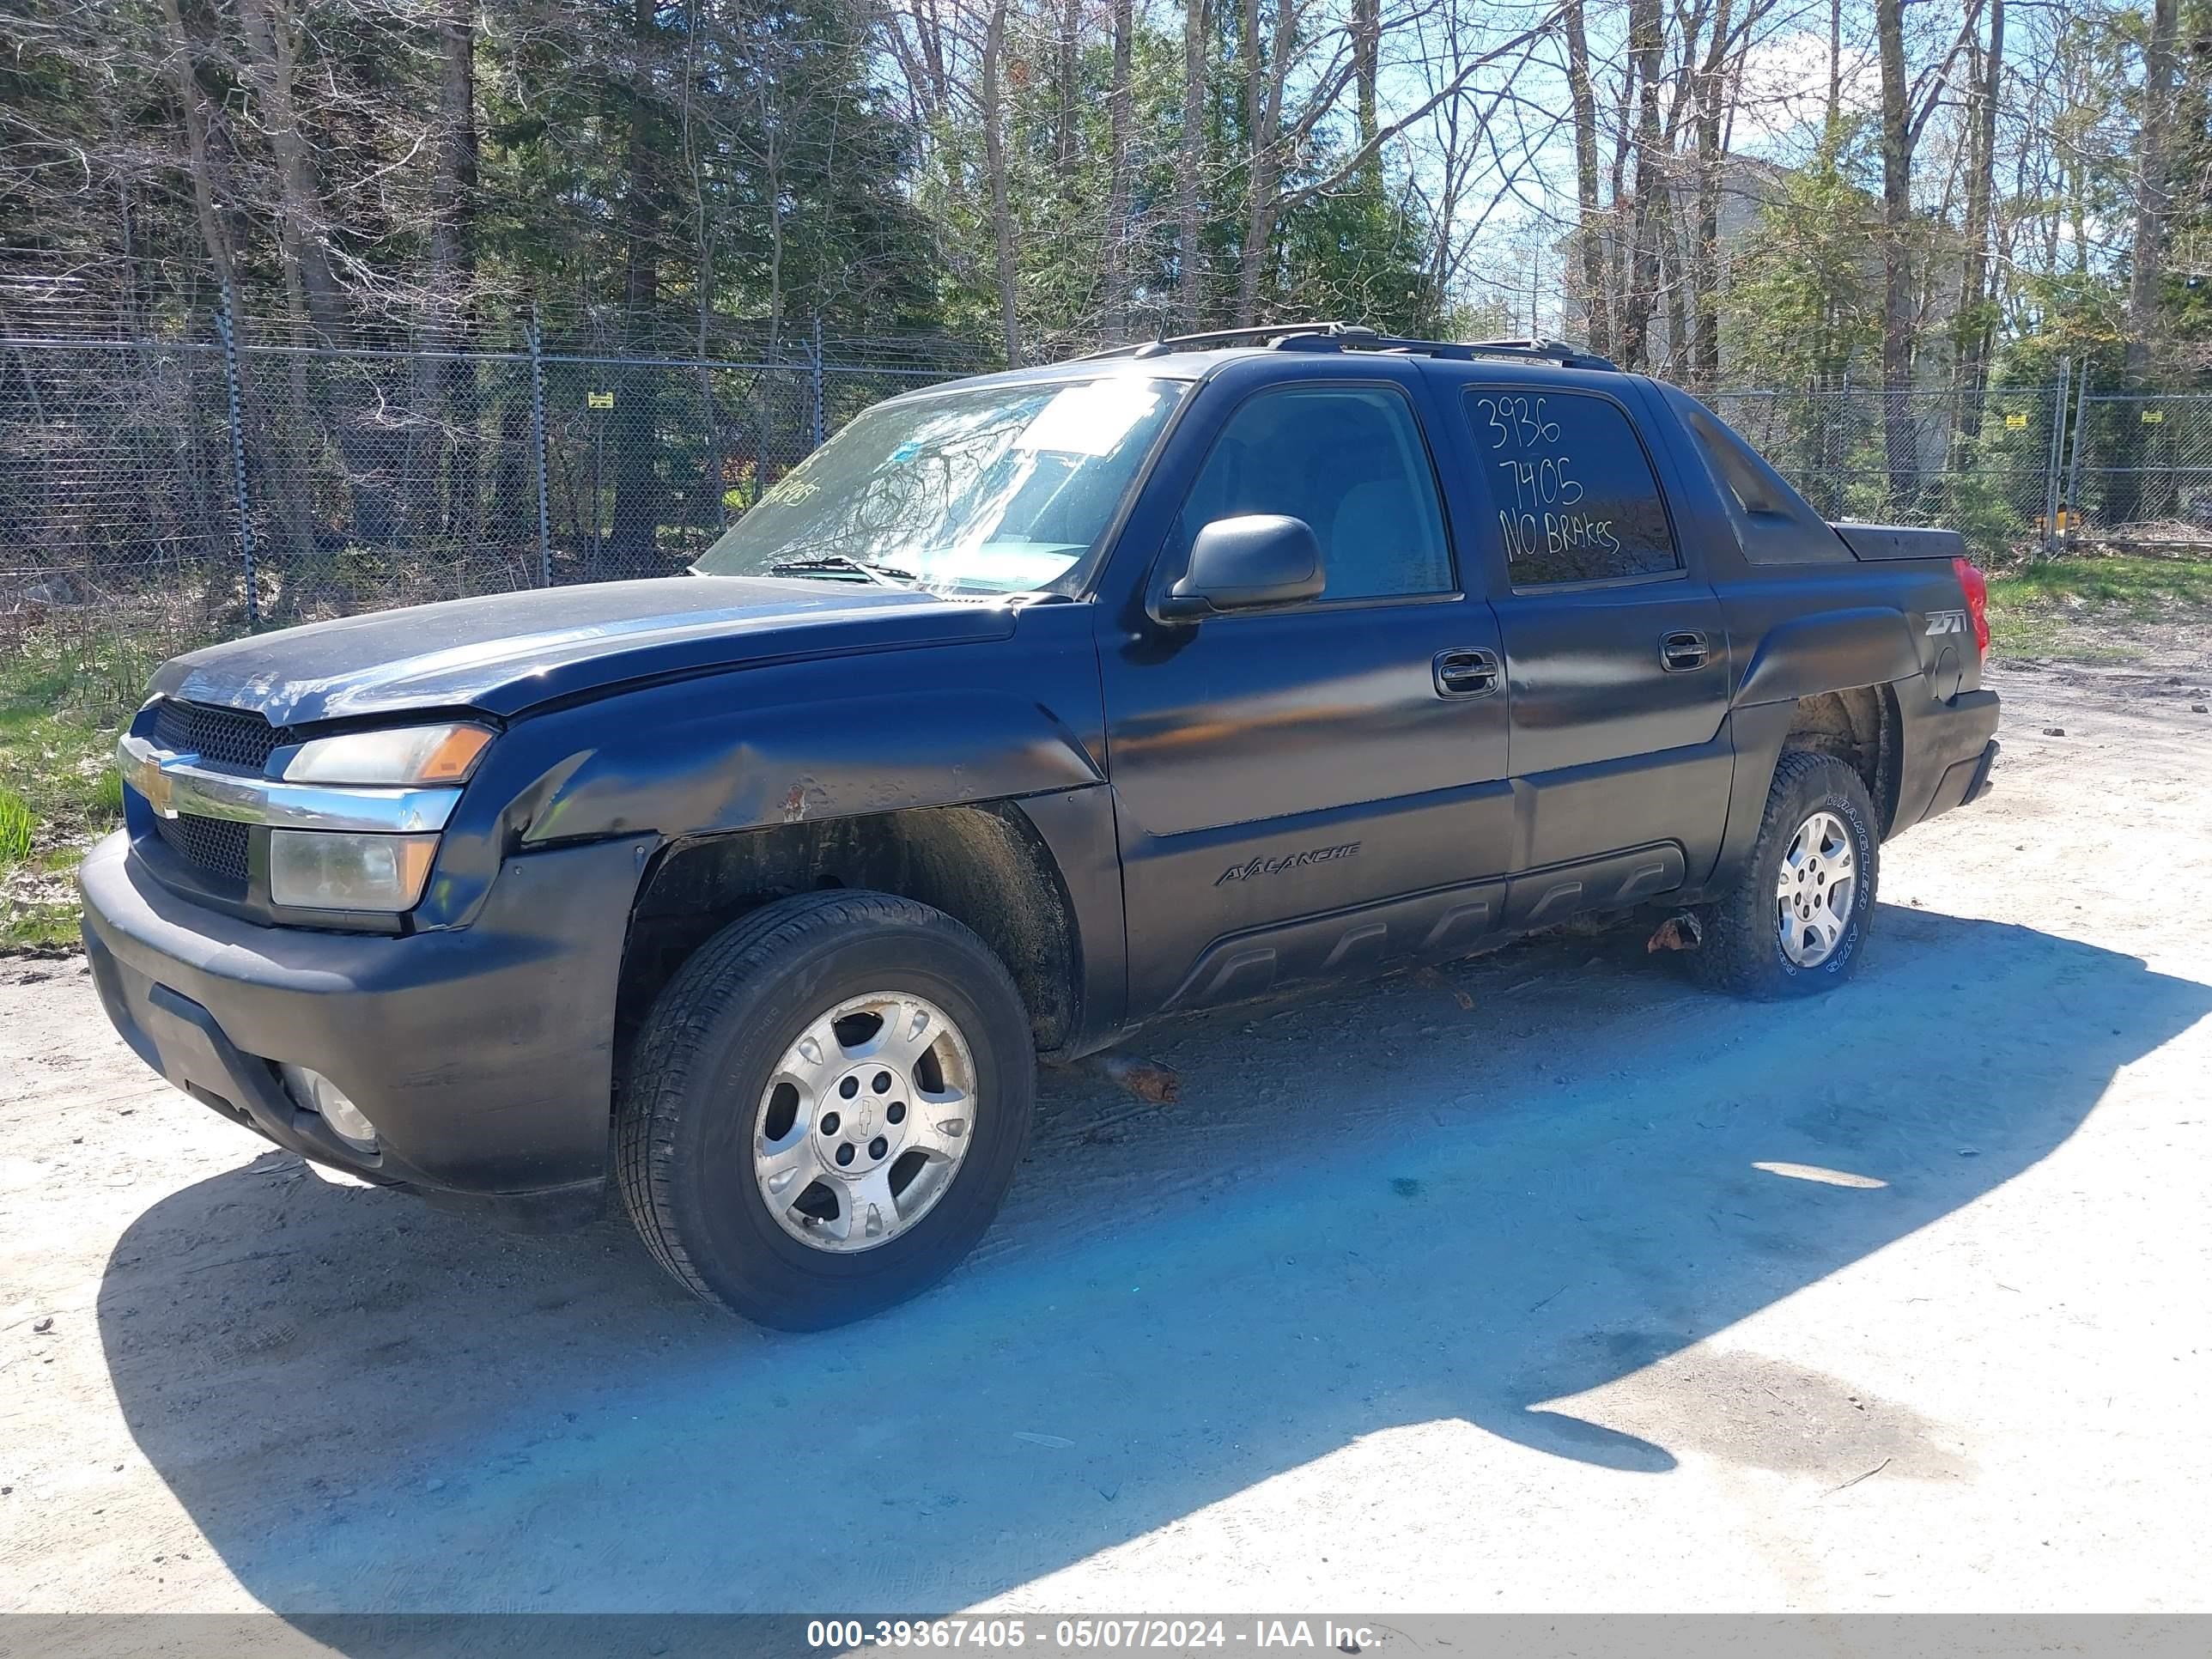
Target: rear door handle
<point x="1468" y="673"/>
<point x="1683" y="650"/>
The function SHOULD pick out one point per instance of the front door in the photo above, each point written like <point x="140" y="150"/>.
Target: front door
<point x="1314" y="790"/>
<point x="1616" y="655"/>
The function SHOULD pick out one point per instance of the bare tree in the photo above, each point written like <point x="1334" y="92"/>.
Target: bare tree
<point x="638" y="493"/>
<point x="178" y="62"/>
<point x="1367" y="61"/>
<point x="1279" y="134"/>
<point x="1905" y="113"/>
<point x="1590" y="234"/>
<point x="1646" y="50"/>
<point x="1974" y="324"/>
<point x="272" y="40"/>
<point x="454" y="166"/>
<point x="1833" y="128"/>
<point x="1115" y="322"/>
<point x="1190" y="166"/>
<point x="1065" y="134"/>
<point x="1265" y="79"/>
<point x="1704" y="249"/>
<point x="992" y="115"/>
<point x="2152" y="184"/>
<point x="1901" y="438"/>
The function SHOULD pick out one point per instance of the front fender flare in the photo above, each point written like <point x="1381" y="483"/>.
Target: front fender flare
<point x="713" y="773"/>
<point x="709" y="758"/>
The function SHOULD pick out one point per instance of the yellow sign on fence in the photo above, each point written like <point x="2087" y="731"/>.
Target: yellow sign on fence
<point x="598" y="400"/>
<point x="2015" y="422"/>
<point x="2153" y="417"/>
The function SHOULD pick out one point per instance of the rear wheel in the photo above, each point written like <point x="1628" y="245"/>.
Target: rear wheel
<point x="1797" y="917"/>
<point x="826" y="1107"/>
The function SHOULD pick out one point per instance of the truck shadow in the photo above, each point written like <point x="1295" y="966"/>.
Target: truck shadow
<point x="1377" y="1209"/>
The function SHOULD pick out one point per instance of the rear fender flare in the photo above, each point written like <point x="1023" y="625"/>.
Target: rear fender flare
<point x="1829" y="651"/>
<point x="1759" y="733"/>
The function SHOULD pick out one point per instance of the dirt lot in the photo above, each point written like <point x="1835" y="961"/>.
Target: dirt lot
<point x="1598" y="1294"/>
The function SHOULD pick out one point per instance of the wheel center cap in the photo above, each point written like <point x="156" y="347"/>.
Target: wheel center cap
<point x="862" y="1133"/>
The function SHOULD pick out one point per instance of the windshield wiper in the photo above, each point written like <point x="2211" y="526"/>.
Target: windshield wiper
<point x="890" y="575"/>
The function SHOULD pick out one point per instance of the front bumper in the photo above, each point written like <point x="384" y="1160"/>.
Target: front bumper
<point x="484" y="1055"/>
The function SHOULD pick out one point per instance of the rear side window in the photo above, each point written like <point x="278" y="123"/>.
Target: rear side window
<point x="1576" y="497"/>
<point x="1772" y="521"/>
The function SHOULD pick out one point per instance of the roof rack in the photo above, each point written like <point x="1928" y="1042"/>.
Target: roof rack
<point x="1339" y="336"/>
<point x="1552" y="352"/>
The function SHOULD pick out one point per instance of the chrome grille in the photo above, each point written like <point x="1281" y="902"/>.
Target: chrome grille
<point x="215" y="846"/>
<point x="235" y="739"/>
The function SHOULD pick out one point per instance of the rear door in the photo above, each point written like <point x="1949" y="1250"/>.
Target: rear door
<point x="1616" y="650"/>
<point x="1308" y="791"/>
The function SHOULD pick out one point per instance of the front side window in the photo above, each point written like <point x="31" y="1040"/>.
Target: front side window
<point x="1349" y="460"/>
<point x="991" y="489"/>
<point x="1574" y="494"/>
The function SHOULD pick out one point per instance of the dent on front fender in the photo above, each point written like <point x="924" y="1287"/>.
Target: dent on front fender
<point x="706" y="773"/>
<point x="873" y="731"/>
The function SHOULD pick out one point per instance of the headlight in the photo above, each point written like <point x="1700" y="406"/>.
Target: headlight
<point x="404" y="756"/>
<point x="329" y="870"/>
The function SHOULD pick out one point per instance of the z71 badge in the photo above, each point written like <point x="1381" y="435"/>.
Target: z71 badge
<point x="1947" y="621"/>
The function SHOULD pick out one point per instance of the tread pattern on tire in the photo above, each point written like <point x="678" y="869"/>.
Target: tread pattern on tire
<point x="1740" y="929"/>
<point x="673" y="1036"/>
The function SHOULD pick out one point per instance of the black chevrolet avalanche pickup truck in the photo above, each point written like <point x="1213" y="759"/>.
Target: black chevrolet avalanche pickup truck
<point x="1030" y="708"/>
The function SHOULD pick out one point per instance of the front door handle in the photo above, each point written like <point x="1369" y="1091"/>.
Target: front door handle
<point x="1472" y="672"/>
<point x="1683" y="650"/>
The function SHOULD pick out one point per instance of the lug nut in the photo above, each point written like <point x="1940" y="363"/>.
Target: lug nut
<point x="829" y="1122"/>
<point x="883" y="1082"/>
<point x="844" y="1155"/>
<point x="849" y="1087"/>
<point x="897" y="1113"/>
<point x="878" y="1147"/>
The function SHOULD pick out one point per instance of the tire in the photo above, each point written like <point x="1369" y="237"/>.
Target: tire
<point x="1745" y="950"/>
<point x="718" y="1065"/>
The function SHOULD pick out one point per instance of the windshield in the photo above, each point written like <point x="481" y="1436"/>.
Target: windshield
<point x="994" y="489"/>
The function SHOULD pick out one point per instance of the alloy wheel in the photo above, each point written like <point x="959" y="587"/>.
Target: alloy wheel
<point x="865" y="1121"/>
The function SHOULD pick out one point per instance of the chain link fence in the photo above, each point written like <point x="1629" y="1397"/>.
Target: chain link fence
<point x="172" y="493"/>
<point x="2141" y="469"/>
<point x="179" y="492"/>
<point x="1979" y="463"/>
<point x="116" y="479"/>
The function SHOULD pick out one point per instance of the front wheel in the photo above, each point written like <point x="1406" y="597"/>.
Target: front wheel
<point x="826" y="1107"/>
<point x="1797" y="917"/>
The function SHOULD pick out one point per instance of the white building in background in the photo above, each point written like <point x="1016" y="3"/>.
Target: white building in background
<point x="1747" y="186"/>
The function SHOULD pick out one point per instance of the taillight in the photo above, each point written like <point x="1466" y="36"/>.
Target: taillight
<point x="1977" y="586"/>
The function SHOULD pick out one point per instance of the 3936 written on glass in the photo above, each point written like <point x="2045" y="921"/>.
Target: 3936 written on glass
<point x="1576" y="496"/>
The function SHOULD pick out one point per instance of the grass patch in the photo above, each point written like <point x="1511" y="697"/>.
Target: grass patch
<point x="2068" y="608"/>
<point x="62" y="703"/>
<point x="17" y="823"/>
<point x="38" y="928"/>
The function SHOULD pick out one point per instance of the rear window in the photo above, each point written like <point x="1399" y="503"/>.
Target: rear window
<point x="1576" y="497"/>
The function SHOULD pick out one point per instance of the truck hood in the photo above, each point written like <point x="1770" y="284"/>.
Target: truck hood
<point x="505" y="653"/>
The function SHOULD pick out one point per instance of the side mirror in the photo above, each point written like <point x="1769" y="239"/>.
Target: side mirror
<point x="1251" y="563"/>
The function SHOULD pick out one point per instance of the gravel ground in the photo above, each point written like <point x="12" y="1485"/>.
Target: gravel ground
<point x="1543" y="1283"/>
